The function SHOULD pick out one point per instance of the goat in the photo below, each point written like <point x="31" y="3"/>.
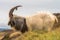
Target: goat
<point x="39" y="21"/>
<point x="19" y="23"/>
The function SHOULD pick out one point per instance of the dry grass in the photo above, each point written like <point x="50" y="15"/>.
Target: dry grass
<point x="37" y="35"/>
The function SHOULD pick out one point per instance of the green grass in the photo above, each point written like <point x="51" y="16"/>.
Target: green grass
<point x="54" y="35"/>
<point x="40" y="35"/>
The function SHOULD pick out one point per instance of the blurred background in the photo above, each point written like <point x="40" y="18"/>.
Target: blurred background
<point x="29" y="8"/>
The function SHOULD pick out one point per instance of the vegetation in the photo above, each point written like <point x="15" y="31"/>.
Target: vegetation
<point x="54" y="35"/>
<point x="38" y="35"/>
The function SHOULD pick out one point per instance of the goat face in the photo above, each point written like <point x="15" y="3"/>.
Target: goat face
<point x="11" y="23"/>
<point x="19" y="23"/>
<point x="15" y="21"/>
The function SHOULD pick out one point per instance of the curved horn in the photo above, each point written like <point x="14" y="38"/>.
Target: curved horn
<point x="11" y="11"/>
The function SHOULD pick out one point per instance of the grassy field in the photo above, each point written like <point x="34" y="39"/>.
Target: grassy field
<point x="54" y="35"/>
<point x="38" y="35"/>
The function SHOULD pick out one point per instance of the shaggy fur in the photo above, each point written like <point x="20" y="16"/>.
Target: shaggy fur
<point x="39" y="21"/>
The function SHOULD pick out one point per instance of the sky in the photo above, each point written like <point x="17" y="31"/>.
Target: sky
<point x="29" y="7"/>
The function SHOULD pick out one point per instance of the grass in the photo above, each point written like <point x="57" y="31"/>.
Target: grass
<point x="39" y="35"/>
<point x="36" y="35"/>
<point x="54" y="35"/>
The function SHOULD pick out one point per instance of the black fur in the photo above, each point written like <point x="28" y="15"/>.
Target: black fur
<point x="57" y="25"/>
<point x="24" y="28"/>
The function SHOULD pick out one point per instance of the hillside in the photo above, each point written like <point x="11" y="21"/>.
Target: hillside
<point x="34" y="35"/>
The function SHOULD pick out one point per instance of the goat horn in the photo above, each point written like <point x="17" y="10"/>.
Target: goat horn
<point x="11" y="11"/>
